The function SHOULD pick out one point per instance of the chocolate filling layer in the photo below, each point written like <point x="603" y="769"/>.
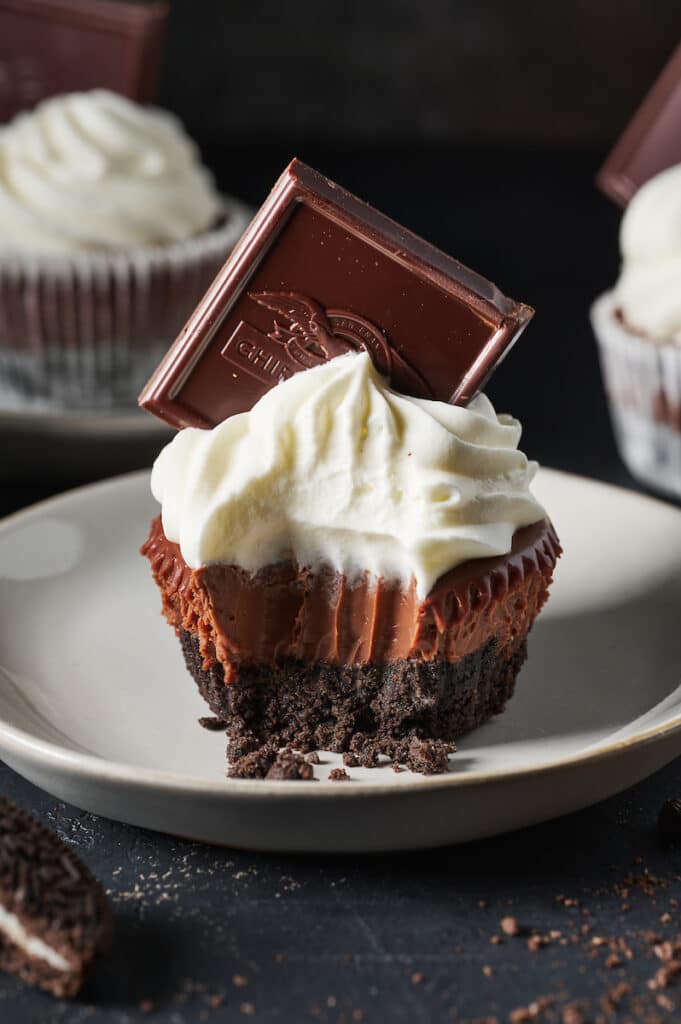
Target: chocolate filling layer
<point x="288" y="612"/>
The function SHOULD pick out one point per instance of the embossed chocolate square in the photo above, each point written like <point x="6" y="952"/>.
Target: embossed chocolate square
<point x="319" y="273"/>
<point x="651" y="142"/>
<point x="56" y="46"/>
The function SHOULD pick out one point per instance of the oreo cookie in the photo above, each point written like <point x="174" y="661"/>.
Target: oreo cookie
<point x="54" y="916"/>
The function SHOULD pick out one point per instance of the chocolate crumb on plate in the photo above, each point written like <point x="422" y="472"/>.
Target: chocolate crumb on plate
<point x="338" y="775"/>
<point x="267" y="762"/>
<point x="212" y="723"/>
<point x="54" y="916"/>
<point x="253" y="765"/>
<point x="430" y="757"/>
<point x="350" y="759"/>
<point x="367" y="749"/>
<point x="313" y="757"/>
<point x="290" y="765"/>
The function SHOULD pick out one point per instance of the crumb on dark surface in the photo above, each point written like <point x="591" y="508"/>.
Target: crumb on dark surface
<point x="146" y="1006"/>
<point x="213" y="723"/>
<point x="290" y="765"/>
<point x="574" y="1013"/>
<point x="338" y="775"/>
<point x="531" y="1012"/>
<point x="511" y="926"/>
<point x="417" y="978"/>
<point x="665" y="975"/>
<point x="613" y="997"/>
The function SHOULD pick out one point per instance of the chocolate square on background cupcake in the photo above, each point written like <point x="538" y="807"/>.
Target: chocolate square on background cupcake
<point x="349" y="550"/>
<point x="637" y="323"/>
<point x="110" y="231"/>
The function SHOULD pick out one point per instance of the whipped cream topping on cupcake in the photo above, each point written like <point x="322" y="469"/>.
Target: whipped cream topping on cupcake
<point x="96" y="171"/>
<point x="332" y="467"/>
<point x="648" y="292"/>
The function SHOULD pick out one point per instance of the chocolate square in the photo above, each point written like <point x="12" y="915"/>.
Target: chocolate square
<point x="651" y="142"/>
<point x="57" y="46"/>
<point x="319" y="273"/>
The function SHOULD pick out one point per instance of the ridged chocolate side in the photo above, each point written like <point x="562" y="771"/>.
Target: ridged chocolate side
<point x="283" y="611"/>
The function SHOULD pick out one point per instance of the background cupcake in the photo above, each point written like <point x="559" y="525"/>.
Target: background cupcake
<point x="110" y="231"/>
<point x="638" y="327"/>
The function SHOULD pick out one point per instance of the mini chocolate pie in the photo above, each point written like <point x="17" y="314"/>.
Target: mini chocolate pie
<point x="349" y="561"/>
<point x="54" y="917"/>
<point x="306" y="660"/>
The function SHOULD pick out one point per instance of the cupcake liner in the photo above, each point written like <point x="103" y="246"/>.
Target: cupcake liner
<point x="87" y="330"/>
<point x="643" y="384"/>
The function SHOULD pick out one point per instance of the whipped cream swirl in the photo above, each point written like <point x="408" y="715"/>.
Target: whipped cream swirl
<point x="332" y="467"/>
<point x="648" y="292"/>
<point x="95" y="170"/>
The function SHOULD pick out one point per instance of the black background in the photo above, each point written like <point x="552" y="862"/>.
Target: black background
<point x="479" y="125"/>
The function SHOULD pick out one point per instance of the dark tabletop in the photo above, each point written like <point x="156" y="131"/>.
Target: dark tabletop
<point x="206" y="934"/>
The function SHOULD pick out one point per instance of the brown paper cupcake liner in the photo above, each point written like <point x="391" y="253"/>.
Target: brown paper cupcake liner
<point x="87" y="330"/>
<point x="643" y="384"/>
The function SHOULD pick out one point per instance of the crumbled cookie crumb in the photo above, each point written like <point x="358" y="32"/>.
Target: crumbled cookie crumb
<point x="429" y="757"/>
<point x="255" y="764"/>
<point x="212" y="723"/>
<point x="290" y="765"/>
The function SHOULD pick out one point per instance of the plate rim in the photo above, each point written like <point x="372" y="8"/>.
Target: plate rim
<point x="140" y="777"/>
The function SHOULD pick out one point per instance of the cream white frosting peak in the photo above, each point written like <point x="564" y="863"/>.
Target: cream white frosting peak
<point x="95" y="170"/>
<point x="333" y="467"/>
<point x="648" y="291"/>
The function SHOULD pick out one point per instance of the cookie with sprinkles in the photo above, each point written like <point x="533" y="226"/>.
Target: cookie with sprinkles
<point x="54" y="916"/>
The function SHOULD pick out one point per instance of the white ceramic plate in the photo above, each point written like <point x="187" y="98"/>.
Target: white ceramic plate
<point x="97" y="708"/>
